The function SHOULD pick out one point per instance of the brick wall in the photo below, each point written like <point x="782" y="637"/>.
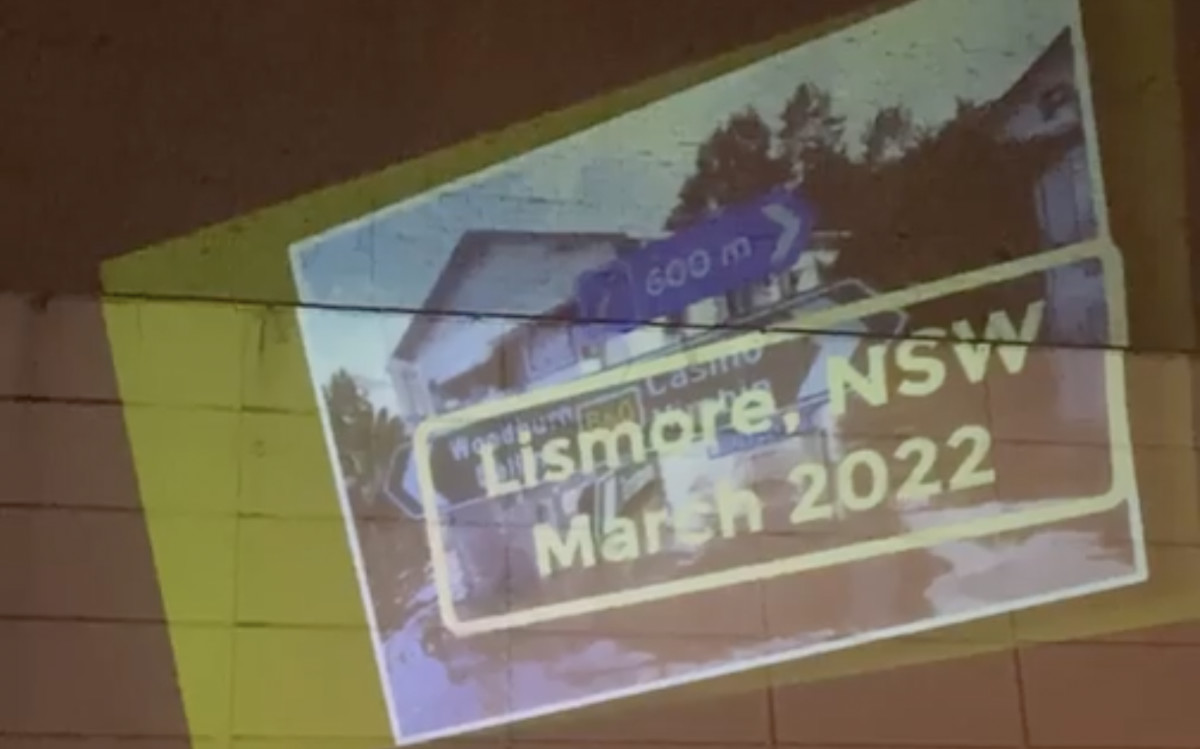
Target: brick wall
<point x="133" y="122"/>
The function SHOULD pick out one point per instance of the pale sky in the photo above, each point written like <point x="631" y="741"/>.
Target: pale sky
<point x="624" y="175"/>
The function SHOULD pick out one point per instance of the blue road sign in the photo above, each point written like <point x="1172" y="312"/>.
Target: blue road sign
<point x="741" y="245"/>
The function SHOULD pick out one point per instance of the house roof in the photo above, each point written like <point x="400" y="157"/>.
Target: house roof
<point x="513" y="273"/>
<point x="1061" y="46"/>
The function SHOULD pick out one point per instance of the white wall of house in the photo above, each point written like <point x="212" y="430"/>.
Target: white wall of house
<point x="412" y="392"/>
<point x="1066" y="211"/>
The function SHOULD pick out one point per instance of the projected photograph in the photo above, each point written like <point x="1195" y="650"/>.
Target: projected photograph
<point x="802" y="357"/>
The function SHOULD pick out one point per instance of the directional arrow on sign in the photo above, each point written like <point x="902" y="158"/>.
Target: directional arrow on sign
<point x="791" y="223"/>
<point x="743" y="244"/>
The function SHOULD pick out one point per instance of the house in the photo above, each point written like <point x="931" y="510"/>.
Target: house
<point x="522" y="287"/>
<point x="443" y="362"/>
<point x="1045" y="106"/>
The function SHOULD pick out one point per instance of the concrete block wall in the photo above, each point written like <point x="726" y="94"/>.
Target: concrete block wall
<point x="136" y="122"/>
<point x="86" y="660"/>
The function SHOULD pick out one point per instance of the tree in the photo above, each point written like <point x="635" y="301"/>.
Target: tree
<point x="394" y="549"/>
<point x="967" y="112"/>
<point x="366" y="438"/>
<point x="921" y="203"/>
<point x="959" y="198"/>
<point x="889" y="136"/>
<point x="811" y="132"/>
<point x="736" y="163"/>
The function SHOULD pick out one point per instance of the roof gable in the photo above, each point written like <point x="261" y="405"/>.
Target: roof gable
<point x="510" y="273"/>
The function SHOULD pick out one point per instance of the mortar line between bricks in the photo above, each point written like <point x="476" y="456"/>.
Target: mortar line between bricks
<point x="71" y="400"/>
<point x="476" y="315"/>
<point x="469" y="739"/>
<point x="91" y="736"/>
<point x="250" y="625"/>
<point x="322" y="518"/>
<point x="511" y="741"/>
<point x="1022" y="708"/>
<point x="231" y="707"/>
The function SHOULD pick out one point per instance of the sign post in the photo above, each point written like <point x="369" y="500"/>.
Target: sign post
<point x="741" y="245"/>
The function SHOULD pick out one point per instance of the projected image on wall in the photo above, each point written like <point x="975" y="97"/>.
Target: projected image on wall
<point x="809" y="355"/>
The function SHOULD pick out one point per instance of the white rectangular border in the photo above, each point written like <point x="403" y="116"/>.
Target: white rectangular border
<point x="1123" y="486"/>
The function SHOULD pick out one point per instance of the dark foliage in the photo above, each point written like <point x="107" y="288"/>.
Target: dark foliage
<point x="393" y="547"/>
<point x="919" y="204"/>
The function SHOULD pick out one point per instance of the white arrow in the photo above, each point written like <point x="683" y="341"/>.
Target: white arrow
<point x="790" y="223"/>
